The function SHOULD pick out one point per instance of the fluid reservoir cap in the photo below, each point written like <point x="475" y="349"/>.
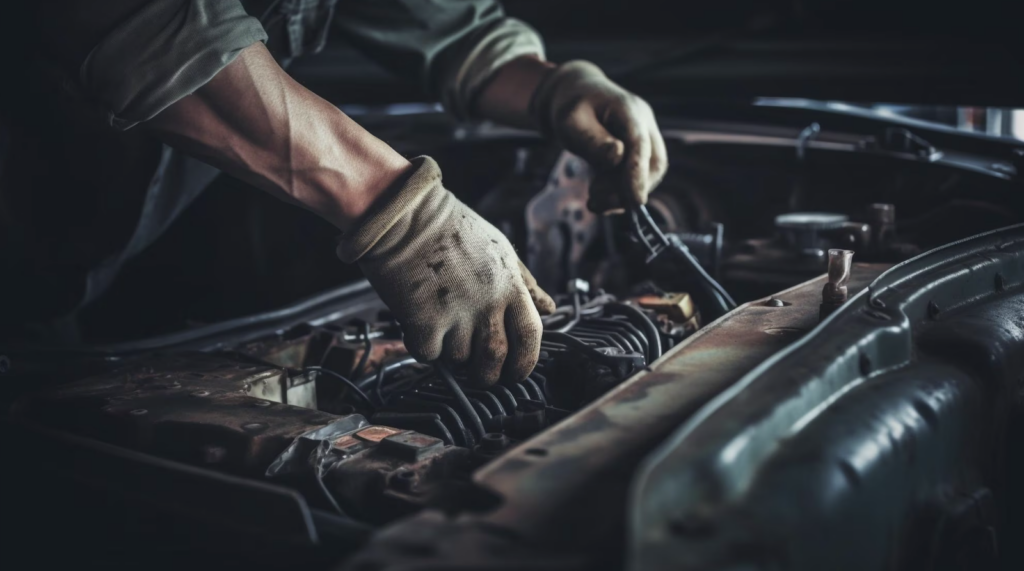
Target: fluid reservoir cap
<point x="810" y="220"/>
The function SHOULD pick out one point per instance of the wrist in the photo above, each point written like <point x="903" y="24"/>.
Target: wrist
<point x="506" y="97"/>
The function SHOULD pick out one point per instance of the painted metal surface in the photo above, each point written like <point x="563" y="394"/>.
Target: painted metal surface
<point x="547" y="485"/>
<point x="844" y="450"/>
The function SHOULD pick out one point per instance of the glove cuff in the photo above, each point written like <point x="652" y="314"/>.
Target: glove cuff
<point x="397" y="202"/>
<point x="543" y="104"/>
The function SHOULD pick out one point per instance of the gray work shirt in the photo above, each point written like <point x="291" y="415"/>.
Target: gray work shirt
<point x="81" y="191"/>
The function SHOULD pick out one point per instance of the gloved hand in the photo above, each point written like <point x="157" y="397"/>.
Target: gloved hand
<point x="609" y="127"/>
<point x="452" y="280"/>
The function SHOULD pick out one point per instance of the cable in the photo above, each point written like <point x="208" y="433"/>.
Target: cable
<point x="576" y="314"/>
<point x="657" y="242"/>
<point x="365" y="382"/>
<point x="653" y="337"/>
<point x="361" y="367"/>
<point x="380" y="381"/>
<point x="453" y="386"/>
<point x="350" y="384"/>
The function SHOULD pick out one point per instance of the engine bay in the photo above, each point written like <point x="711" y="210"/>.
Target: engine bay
<point x="328" y="402"/>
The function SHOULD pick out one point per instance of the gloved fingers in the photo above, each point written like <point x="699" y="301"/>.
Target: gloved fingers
<point x="659" y="158"/>
<point x="628" y="122"/>
<point x="541" y="300"/>
<point x="458" y="344"/>
<point x="490" y="347"/>
<point x="523" y="329"/>
<point x="582" y="133"/>
<point x="423" y="339"/>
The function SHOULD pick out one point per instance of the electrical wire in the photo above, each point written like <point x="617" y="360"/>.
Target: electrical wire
<point x="361" y="367"/>
<point x="650" y="330"/>
<point x="656" y="243"/>
<point x="453" y="386"/>
<point x="350" y="384"/>
<point x="577" y="314"/>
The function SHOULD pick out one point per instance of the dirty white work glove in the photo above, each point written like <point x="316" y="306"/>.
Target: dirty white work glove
<point x="611" y="128"/>
<point x="452" y="280"/>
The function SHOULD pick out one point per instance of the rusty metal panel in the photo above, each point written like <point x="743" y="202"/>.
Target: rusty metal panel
<point x="190" y="407"/>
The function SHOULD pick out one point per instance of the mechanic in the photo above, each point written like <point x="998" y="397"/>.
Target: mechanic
<point x="204" y="80"/>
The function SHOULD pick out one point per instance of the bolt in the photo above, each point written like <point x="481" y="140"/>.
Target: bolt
<point x="200" y="394"/>
<point x="254" y="426"/>
<point x="261" y="403"/>
<point x="774" y="302"/>
<point x="840" y="263"/>
<point x="494" y="442"/>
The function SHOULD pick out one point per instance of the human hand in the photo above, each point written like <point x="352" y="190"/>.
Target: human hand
<point x="452" y="280"/>
<point x="612" y="129"/>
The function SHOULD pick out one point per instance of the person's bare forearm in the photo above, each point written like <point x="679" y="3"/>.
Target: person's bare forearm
<point x="256" y="123"/>
<point x="506" y="97"/>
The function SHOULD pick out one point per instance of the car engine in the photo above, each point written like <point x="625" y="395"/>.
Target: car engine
<point x="317" y="418"/>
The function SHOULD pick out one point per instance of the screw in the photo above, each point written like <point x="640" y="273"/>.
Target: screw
<point x="774" y="302"/>
<point x="933" y="309"/>
<point x="138" y="412"/>
<point x="200" y="394"/>
<point x="261" y="403"/>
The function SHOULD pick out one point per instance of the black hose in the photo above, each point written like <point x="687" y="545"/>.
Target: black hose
<point x="638" y="317"/>
<point x="453" y="386"/>
<point x="365" y="382"/>
<point x="577" y="314"/>
<point x="361" y="367"/>
<point x="350" y="384"/>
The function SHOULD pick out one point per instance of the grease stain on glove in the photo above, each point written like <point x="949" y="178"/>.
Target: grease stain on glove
<point x="453" y="281"/>
<point x="612" y="129"/>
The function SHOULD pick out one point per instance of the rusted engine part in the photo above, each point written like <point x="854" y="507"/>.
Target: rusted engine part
<point x="191" y="407"/>
<point x="561" y="229"/>
<point x="587" y="349"/>
<point x="884" y="431"/>
<point x="803" y="239"/>
<point x="197" y="409"/>
<point x="559" y="226"/>
<point x="835" y="293"/>
<point x="548" y="483"/>
<point x="354" y="350"/>
<point x="371" y="473"/>
<point x="675" y="312"/>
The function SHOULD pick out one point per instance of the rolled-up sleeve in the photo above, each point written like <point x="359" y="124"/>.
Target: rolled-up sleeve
<point x="163" y="52"/>
<point x="450" y="47"/>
